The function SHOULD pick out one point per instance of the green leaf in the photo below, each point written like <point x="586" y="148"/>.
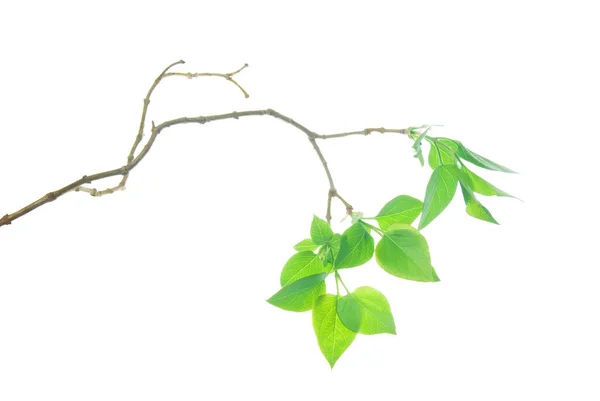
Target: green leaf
<point x="440" y="191"/>
<point x="335" y="244"/>
<point x="329" y="251"/>
<point x="320" y="231"/>
<point x="301" y="265"/>
<point x="350" y="313"/>
<point x="480" y="161"/>
<point x="447" y="150"/>
<point x="420" y="157"/>
<point x="478" y="184"/>
<point x="401" y="209"/>
<point x="356" y="247"/>
<point x="417" y="145"/>
<point x="474" y="207"/>
<point x="376" y="314"/>
<point x="306" y="245"/>
<point x="403" y="252"/>
<point x="333" y="337"/>
<point x="300" y="295"/>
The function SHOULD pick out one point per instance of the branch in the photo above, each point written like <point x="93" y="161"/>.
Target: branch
<point x="133" y="161"/>
<point x="140" y="135"/>
<point x="228" y="76"/>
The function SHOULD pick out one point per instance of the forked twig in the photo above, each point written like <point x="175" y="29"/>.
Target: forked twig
<point x="133" y="160"/>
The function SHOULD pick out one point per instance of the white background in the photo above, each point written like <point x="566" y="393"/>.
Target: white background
<point x="158" y="292"/>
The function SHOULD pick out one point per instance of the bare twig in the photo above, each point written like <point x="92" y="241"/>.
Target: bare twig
<point x="140" y="134"/>
<point x="133" y="161"/>
<point x="366" y="131"/>
<point x="228" y="76"/>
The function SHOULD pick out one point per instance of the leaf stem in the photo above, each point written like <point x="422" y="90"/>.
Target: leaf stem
<point x="338" y="277"/>
<point x="377" y="230"/>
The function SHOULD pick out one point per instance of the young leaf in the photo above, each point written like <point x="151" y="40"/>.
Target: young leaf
<point x="417" y="145"/>
<point x="329" y="251"/>
<point x="440" y="191"/>
<point x="350" y="313"/>
<point x="301" y="265"/>
<point x="478" y="160"/>
<point x="447" y="150"/>
<point x="300" y="295"/>
<point x="333" y="337"/>
<point x="474" y="207"/>
<point x="420" y="157"/>
<point x="403" y="252"/>
<point x="478" y="184"/>
<point x="376" y="314"/>
<point x="306" y="245"/>
<point x="356" y="247"/>
<point x="320" y="231"/>
<point x="401" y="209"/>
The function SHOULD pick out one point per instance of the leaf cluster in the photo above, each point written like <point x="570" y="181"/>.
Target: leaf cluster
<point x="401" y="250"/>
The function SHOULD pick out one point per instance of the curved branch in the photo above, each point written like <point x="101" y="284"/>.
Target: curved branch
<point x="140" y="134"/>
<point x="228" y="76"/>
<point x="132" y="161"/>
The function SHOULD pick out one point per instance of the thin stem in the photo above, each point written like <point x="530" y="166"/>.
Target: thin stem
<point x="133" y="161"/>
<point x="140" y="134"/>
<point x="337" y="275"/>
<point x="366" y="131"/>
<point x="228" y="76"/>
<point x="372" y="227"/>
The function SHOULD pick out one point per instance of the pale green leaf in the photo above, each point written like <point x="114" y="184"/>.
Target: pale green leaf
<point x="401" y="209"/>
<point x="320" y="231"/>
<point x="474" y="207"/>
<point x="301" y="265"/>
<point x="418" y="141"/>
<point x="403" y="252"/>
<point x="376" y="314"/>
<point x="356" y="216"/>
<point x="300" y="295"/>
<point x="464" y="153"/>
<point x="306" y="245"/>
<point x="356" y="247"/>
<point x="447" y="150"/>
<point x="335" y="244"/>
<point x="350" y="313"/>
<point x="479" y="185"/>
<point x="329" y="250"/>
<point x="333" y="337"/>
<point x="440" y="191"/>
